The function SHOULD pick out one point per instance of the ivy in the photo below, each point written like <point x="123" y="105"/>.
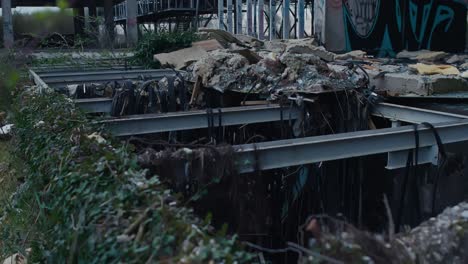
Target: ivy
<point x="95" y="204"/>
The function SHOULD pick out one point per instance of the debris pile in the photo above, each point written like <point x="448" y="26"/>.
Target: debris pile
<point x="226" y="62"/>
<point x="441" y="239"/>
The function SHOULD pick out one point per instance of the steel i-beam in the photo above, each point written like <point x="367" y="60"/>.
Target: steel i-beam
<point x="177" y="121"/>
<point x="56" y="80"/>
<point x="293" y="152"/>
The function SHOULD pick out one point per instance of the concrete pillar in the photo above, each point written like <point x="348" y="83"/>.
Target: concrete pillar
<point x="78" y="20"/>
<point x="272" y="34"/>
<point x="261" y="26"/>
<point x="286" y="24"/>
<point x="109" y="22"/>
<point x="238" y="16"/>
<point x="8" y="38"/>
<point x="229" y="16"/>
<point x="300" y="16"/>
<point x="221" y="14"/>
<point x="132" y="28"/>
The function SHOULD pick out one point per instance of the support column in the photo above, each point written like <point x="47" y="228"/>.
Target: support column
<point x="300" y="15"/>
<point x="8" y="38"/>
<point x="221" y="14"/>
<point x="109" y="22"/>
<point x="132" y="28"/>
<point x="238" y="16"/>
<point x="272" y="34"/>
<point x="286" y="24"/>
<point x="229" y="16"/>
<point x="261" y="27"/>
<point x="255" y="13"/>
<point x="249" y="18"/>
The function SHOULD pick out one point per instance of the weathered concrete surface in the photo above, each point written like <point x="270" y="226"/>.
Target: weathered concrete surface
<point x="180" y="58"/>
<point x="395" y="84"/>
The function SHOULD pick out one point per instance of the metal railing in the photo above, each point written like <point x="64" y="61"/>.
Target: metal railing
<point x="148" y="7"/>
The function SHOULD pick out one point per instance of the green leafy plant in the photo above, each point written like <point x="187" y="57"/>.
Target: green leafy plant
<point x="158" y="42"/>
<point x="94" y="203"/>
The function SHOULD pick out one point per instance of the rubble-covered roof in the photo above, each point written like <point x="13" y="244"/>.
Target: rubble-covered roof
<point x="245" y="64"/>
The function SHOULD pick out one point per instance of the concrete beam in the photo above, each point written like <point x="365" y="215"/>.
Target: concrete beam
<point x="8" y="38"/>
<point x="132" y="23"/>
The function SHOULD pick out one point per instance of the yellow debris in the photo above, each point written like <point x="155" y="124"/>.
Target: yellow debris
<point x="435" y="69"/>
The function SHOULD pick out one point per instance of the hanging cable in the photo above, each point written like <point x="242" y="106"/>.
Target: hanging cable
<point x="409" y="165"/>
<point x="440" y="168"/>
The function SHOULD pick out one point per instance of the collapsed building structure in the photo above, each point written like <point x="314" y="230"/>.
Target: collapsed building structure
<point x="283" y="132"/>
<point x="280" y="130"/>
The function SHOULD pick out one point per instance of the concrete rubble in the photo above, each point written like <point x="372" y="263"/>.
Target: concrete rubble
<point x="244" y="64"/>
<point x="437" y="240"/>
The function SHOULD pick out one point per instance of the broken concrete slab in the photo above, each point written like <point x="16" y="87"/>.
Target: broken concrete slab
<point x="304" y="48"/>
<point x="179" y="58"/>
<point x="396" y="84"/>
<point x="355" y="54"/>
<point x="208" y="45"/>
<point x="250" y="55"/>
<point x="457" y="58"/>
<point x="432" y="56"/>
<point x="249" y="40"/>
<point x="222" y="36"/>
<point x="276" y="45"/>
<point x="422" y="55"/>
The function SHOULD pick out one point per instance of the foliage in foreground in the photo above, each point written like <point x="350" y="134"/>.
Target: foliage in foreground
<point x="158" y="42"/>
<point x="95" y="204"/>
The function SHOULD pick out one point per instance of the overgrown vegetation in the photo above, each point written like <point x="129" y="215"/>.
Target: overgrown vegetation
<point x="95" y="205"/>
<point x="158" y="42"/>
<point x="10" y="76"/>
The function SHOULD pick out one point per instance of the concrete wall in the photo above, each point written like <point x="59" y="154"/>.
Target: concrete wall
<point x="386" y="27"/>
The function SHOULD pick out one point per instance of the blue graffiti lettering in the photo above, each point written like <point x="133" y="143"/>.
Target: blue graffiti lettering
<point x="443" y="13"/>
<point x="386" y="48"/>
<point x="425" y="18"/>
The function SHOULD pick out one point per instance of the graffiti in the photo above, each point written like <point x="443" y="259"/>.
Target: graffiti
<point x="385" y="27"/>
<point x="362" y="14"/>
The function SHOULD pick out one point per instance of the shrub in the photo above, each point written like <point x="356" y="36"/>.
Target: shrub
<point x="158" y="42"/>
<point x="95" y="204"/>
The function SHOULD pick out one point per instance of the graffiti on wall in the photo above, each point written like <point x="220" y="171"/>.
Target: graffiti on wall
<point x="386" y="27"/>
<point x="362" y="15"/>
